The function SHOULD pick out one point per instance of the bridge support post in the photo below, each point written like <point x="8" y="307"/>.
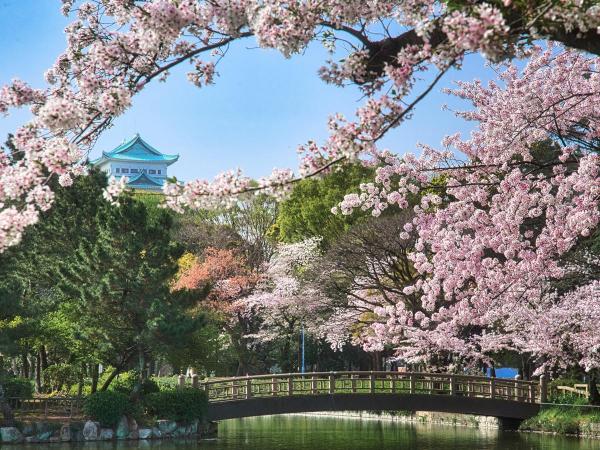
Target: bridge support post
<point x="543" y="389"/>
<point x="412" y="383"/>
<point x="313" y="383"/>
<point x="531" y="394"/>
<point x="353" y="383"/>
<point x="274" y="386"/>
<point x="195" y="381"/>
<point x="290" y="386"/>
<point x="452" y="385"/>
<point x="492" y="387"/>
<point x="516" y="393"/>
<point x="332" y="382"/>
<point x="248" y="388"/>
<point x="181" y="381"/>
<point x="372" y="382"/>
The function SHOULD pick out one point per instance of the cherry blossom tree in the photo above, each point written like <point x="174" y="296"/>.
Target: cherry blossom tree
<point x="362" y="276"/>
<point x="284" y="300"/>
<point x="560" y="329"/>
<point x="116" y="47"/>
<point x="524" y="193"/>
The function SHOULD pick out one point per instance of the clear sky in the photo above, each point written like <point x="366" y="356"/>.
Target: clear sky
<point x="260" y="109"/>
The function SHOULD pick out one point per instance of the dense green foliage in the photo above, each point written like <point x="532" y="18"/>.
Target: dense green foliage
<point x="183" y="405"/>
<point x="126" y="383"/>
<point x="59" y="375"/>
<point x="166" y="383"/>
<point x="90" y="285"/>
<point x="307" y="211"/>
<point x="17" y="387"/>
<point x="122" y="282"/>
<point x="107" y="407"/>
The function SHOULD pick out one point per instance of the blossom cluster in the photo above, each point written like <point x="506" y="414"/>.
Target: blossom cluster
<point x="282" y="301"/>
<point x="115" y="47"/>
<point x="497" y="220"/>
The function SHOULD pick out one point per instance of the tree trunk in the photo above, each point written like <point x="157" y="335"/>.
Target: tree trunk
<point x="44" y="357"/>
<point x="286" y="357"/>
<point x="593" y="388"/>
<point x="81" y="383"/>
<point x="25" y="362"/>
<point x="38" y="374"/>
<point x="136" y="394"/>
<point x="95" y="370"/>
<point x="111" y="377"/>
<point x="7" y="412"/>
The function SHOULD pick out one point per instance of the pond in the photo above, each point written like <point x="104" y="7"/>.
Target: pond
<point x="325" y="433"/>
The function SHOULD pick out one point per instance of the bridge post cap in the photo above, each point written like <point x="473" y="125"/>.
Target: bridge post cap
<point x="517" y="377"/>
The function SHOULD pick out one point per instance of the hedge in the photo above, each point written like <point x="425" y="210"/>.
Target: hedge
<point x="17" y="387"/>
<point x="107" y="407"/>
<point x="184" y="405"/>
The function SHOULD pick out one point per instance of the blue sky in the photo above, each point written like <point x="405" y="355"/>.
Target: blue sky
<point x="260" y="109"/>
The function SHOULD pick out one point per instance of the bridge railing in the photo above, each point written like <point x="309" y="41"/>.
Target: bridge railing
<point x="328" y="383"/>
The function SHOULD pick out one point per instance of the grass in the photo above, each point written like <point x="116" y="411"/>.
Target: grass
<point x="570" y="415"/>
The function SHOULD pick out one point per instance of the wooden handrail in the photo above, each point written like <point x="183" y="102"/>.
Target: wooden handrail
<point x="376" y="382"/>
<point x="367" y="373"/>
<point x="572" y="390"/>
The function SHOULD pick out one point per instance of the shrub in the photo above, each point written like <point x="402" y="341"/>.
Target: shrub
<point x="166" y="383"/>
<point x="85" y="391"/>
<point x="568" y="398"/>
<point x="126" y="381"/>
<point x="562" y="419"/>
<point x="563" y="381"/>
<point x="183" y="405"/>
<point x="107" y="407"/>
<point x="60" y="376"/>
<point x="17" y="387"/>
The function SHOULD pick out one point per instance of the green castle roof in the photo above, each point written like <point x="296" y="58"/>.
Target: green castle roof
<point x="144" y="181"/>
<point x="138" y="150"/>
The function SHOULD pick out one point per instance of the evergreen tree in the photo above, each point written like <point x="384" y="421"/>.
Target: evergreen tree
<point x="121" y="283"/>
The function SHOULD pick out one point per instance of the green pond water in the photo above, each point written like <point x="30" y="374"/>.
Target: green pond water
<point x="324" y="433"/>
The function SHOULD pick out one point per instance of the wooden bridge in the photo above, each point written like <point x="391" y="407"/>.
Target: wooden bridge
<point x="510" y="400"/>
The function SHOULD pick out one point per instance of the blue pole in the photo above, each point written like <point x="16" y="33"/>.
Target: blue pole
<point x="302" y="348"/>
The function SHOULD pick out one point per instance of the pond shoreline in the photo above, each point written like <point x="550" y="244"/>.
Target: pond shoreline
<point x="445" y="419"/>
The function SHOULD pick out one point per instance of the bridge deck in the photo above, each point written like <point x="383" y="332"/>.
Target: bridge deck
<point x="384" y="391"/>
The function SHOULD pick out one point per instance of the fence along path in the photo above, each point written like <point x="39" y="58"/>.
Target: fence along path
<point x="47" y="407"/>
<point x="340" y="383"/>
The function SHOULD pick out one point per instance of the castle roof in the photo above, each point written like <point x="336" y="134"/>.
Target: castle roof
<point x="144" y="181"/>
<point x="136" y="150"/>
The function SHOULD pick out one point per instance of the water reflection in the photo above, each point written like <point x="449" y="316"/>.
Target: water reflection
<point x="324" y="433"/>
